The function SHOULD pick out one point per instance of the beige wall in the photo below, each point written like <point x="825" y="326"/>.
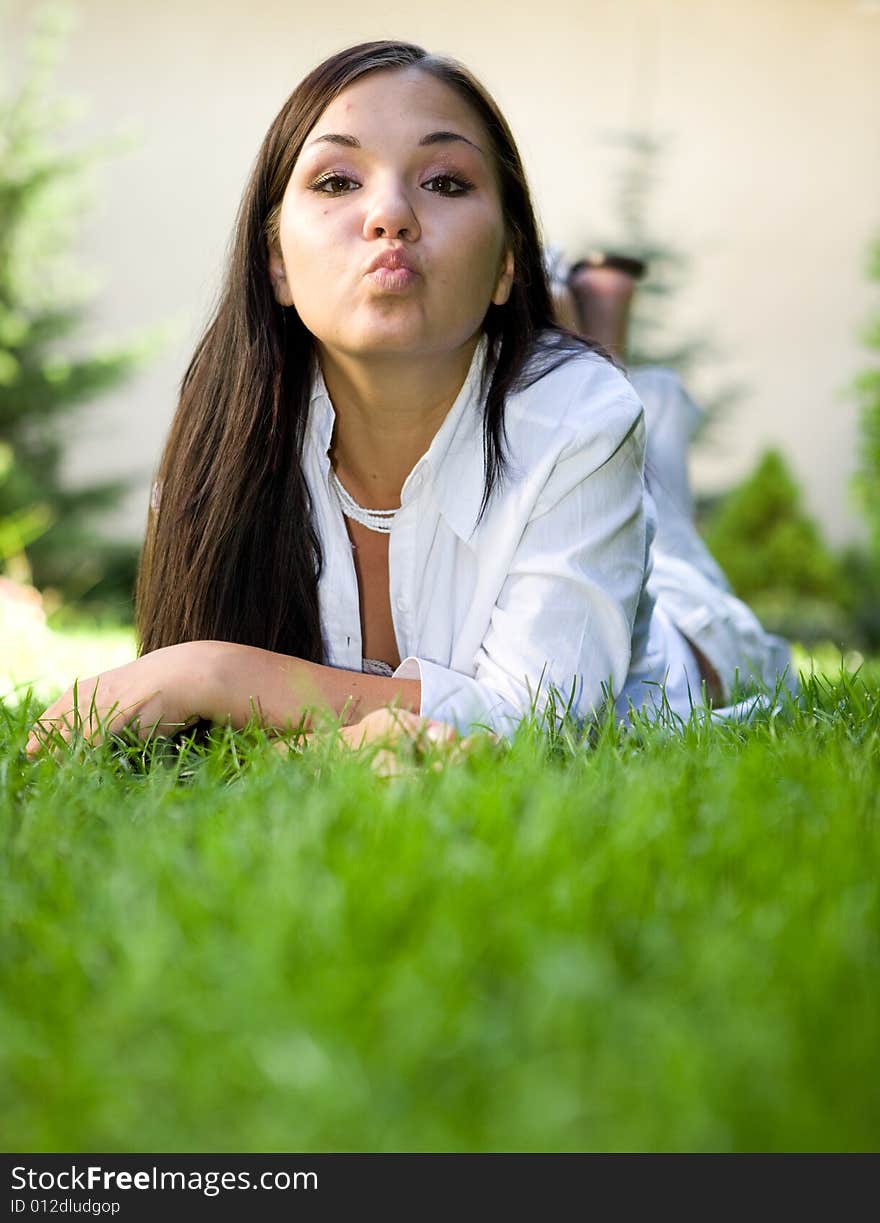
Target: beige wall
<point x="770" y="184"/>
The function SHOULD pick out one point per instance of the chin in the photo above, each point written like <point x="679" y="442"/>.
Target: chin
<point x="387" y="340"/>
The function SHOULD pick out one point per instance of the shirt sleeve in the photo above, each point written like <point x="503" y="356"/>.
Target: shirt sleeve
<point x="563" y="622"/>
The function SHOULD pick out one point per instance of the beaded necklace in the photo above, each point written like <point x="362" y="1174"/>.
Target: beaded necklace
<point x="375" y="520"/>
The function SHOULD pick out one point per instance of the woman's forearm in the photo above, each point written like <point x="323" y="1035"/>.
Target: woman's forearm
<point x="281" y="689"/>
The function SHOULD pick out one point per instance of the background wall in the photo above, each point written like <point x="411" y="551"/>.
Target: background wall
<point x="771" y="183"/>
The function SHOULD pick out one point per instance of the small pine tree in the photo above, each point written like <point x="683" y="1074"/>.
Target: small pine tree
<point x="44" y="190"/>
<point x="635" y="179"/>
<point x="776" y="560"/>
<point x="764" y="540"/>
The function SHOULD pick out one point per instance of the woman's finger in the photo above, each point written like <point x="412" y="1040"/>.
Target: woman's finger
<point x="389" y="725"/>
<point x="78" y="712"/>
<point x="64" y="714"/>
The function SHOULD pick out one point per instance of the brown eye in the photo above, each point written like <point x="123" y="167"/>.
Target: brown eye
<point x="334" y="184"/>
<point x="448" y="185"/>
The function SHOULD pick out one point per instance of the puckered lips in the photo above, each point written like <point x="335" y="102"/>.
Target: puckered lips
<point x="393" y="270"/>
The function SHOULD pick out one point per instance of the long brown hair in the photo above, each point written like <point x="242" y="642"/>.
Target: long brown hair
<point x="232" y="554"/>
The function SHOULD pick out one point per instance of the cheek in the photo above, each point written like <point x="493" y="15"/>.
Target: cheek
<point x="312" y="252"/>
<point x="303" y="239"/>
<point x="476" y="257"/>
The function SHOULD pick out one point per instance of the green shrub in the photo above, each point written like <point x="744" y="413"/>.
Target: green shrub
<point x="766" y="543"/>
<point x="776" y="560"/>
<point x="46" y="374"/>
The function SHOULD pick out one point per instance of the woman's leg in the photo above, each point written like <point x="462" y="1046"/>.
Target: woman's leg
<point x="603" y="296"/>
<point x="721" y="634"/>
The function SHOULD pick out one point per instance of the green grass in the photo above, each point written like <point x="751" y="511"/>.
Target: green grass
<point x="659" y="941"/>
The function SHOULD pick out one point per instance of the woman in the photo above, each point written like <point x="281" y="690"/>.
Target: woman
<point x="385" y="339"/>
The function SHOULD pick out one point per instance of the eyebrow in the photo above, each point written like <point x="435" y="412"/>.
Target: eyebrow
<point x="352" y="142"/>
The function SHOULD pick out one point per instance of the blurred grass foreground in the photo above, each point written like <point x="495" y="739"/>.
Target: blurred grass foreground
<point x="661" y="940"/>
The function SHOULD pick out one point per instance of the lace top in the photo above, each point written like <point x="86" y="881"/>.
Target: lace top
<point x="375" y="666"/>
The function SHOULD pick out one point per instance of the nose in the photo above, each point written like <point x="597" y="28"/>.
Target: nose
<point x="390" y="213"/>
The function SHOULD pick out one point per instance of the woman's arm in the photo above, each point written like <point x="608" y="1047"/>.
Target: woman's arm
<point x="172" y="688"/>
<point x="284" y="688"/>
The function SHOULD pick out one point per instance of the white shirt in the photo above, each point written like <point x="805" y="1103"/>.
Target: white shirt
<point x="549" y="589"/>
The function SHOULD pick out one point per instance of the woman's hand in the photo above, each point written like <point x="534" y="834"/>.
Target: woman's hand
<point x="393" y="725"/>
<point x="396" y="727"/>
<point x="157" y="694"/>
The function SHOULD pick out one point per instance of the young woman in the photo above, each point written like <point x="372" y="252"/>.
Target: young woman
<point x="392" y="479"/>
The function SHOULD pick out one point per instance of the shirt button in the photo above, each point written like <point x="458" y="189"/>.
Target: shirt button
<point x="402" y="605"/>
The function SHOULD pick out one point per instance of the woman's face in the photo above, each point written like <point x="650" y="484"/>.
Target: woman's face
<point x="397" y="163"/>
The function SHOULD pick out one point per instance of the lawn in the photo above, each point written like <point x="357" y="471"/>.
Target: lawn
<point x="661" y="940"/>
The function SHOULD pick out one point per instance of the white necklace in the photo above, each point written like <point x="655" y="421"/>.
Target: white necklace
<point x="374" y="520"/>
